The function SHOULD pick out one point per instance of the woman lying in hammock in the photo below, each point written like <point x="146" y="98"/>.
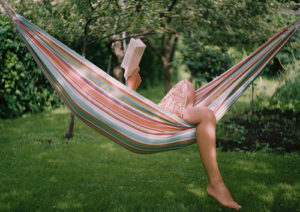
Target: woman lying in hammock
<point x="180" y="101"/>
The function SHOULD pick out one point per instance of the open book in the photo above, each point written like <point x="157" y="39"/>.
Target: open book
<point x="133" y="56"/>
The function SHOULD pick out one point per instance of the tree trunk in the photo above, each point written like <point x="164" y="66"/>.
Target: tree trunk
<point x="251" y="112"/>
<point x="70" y="130"/>
<point x="168" y="72"/>
<point x="166" y="54"/>
<point x="118" y="52"/>
<point x="118" y="73"/>
<point x="167" y="58"/>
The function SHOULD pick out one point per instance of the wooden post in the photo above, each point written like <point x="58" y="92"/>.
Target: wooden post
<point x="70" y="130"/>
<point x="252" y="99"/>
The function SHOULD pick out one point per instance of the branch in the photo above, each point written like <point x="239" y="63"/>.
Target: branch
<point x="99" y="32"/>
<point x="151" y="42"/>
<point x="117" y="32"/>
<point x="89" y="3"/>
<point x="174" y="47"/>
<point x="135" y="35"/>
<point x="167" y="16"/>
<point x="172" y="5"/>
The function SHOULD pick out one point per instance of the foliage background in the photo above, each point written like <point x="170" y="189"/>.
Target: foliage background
<point x="23" y="88"/>
<point x="213" y="35"/>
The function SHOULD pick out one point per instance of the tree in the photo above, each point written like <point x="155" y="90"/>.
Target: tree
<point x="174" y="16"/>
<point x="240" y="26"/>
<point x="219" y="24"/>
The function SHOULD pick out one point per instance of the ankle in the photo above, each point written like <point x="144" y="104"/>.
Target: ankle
<point x="216" y="182"/>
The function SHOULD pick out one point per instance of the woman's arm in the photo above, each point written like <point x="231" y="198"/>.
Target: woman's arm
<point x="134" y="81"/>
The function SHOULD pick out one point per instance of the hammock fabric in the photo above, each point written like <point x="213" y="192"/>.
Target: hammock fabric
<point x="123" y="115"/>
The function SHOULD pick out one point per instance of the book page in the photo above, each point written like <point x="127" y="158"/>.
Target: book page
<point x="133" y="56"/>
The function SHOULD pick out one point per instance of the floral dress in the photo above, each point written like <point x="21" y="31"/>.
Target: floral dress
<point x="176" y="99"/>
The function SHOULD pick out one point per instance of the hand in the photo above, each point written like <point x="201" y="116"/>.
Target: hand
<point x="134" y="81"/>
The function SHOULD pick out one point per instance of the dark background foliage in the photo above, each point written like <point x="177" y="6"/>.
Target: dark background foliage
<point x="23" y="88"/>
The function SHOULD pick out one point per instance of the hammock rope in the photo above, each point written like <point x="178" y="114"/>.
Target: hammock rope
<point x="123" y="115"/>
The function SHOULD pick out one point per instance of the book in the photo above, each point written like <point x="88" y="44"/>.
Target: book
<point x="133" y="56"/>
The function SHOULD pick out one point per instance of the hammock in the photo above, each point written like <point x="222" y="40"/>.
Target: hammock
<point x="123" y="115"/>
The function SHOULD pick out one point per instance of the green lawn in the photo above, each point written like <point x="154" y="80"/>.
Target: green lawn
<point x="41" y="171"/>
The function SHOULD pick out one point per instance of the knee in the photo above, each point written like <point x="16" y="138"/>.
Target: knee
<point x="197" y="115"/>
<point x="209" y="115"/>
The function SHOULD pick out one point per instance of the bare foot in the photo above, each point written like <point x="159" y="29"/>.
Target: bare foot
<point x="222" y="195"/>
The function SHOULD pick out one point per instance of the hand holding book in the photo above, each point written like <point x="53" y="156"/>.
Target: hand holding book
<point x="134" y="80"/>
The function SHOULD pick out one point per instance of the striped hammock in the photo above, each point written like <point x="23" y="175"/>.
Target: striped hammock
<point x="123" y="115"/>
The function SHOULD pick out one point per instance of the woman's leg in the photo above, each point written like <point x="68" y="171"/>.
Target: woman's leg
<point x="205" y="120"/>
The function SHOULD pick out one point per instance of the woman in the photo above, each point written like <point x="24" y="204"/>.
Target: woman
<point x="180" y="101"/>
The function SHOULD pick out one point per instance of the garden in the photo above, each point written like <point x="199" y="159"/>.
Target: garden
<point x="258" y="139"/>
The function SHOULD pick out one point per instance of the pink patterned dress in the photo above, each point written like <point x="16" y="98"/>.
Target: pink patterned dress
<point x="178" y="98"/>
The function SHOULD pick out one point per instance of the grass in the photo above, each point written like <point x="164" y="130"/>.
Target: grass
<point x="41" y="171"/>
<point x="262" y="87"/>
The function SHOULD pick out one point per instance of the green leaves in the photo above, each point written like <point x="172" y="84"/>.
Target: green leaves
<point x="288" y="95"/>
<point x="23" y="88"/>
<point x="268" y="129"/>
<point x="205" y="63"/>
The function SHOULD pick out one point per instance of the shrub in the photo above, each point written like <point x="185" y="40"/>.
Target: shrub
<point x="275" y="124"/>
<point x="272" y="130"/>
<point x="23" y="87"/>
<point x="287" y="96"/>
<point x="206" y="63"/>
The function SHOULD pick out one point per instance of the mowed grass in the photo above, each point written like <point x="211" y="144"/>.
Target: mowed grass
<point x="41" y="171"/>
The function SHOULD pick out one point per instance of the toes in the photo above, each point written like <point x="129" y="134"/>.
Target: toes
<point x="236" y="206"/>
<point x="232" y="205"/>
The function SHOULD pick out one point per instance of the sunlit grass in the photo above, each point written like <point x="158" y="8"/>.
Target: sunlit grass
<point x="155" y="94"/>
<point x="262" y="87"/>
